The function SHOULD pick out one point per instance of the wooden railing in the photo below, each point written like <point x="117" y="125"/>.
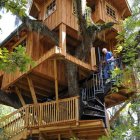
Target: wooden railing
<point x="40" y="115"/>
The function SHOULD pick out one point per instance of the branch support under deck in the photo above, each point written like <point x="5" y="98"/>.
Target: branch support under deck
<point x="20" y="96"/>
<point x="32" y="89"/>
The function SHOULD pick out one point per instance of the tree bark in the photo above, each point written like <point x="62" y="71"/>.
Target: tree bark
<point x="72" y="75"/>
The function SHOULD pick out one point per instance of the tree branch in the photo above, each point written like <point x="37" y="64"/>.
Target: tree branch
<point x="117" y="114"/>
<point x="38" y="26"/>
<point x="80" y="15"/>
<point x="106" y="26"/>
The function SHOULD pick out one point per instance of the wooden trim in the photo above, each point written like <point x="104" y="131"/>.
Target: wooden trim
<point x="31" y="87"/>
<point x="20" y="97"/>
<point x="62" y="38"/>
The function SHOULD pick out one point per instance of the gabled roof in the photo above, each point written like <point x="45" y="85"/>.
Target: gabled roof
<point x="14" y="33"/>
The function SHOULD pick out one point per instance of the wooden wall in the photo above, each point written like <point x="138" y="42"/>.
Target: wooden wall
<point x="62" y="14"/>
<point x="47" y="70"/>
<point x="100" y="15"/>
<point x="68" y="17"/>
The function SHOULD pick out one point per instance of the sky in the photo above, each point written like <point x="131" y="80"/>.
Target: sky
<point x="7" y="23"/>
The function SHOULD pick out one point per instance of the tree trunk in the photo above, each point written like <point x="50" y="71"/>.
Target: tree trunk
<point x="72" y="75"/>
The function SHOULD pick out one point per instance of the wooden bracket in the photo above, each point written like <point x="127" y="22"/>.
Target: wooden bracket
<point x="20" y="96"/>
<point x="31" y="86"/>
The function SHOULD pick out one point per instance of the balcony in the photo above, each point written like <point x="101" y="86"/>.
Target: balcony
<point x="57" y="117"/>
<point x="10" y="78"/>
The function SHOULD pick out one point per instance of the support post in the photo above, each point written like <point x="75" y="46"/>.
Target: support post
<point x="56" y="80"/>
<point x="59" y="137"/>
<point x="20" y="96"/>
<point x="77" y="110"/>
<point x="93" y="58"/>
<point x="62" y="38"/>
<point x="32" y="89"/>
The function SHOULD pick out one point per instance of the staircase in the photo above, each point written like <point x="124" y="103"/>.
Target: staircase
<point x="93" y="92"/>
<point x="92" y="98"/>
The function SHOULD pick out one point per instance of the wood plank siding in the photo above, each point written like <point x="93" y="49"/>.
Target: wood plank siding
<point x="59" y="16"/>
<point x="100" y="14"/>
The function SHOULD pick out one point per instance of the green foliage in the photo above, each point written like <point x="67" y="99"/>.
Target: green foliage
<point x="17" y="7"/>
<point x="88" y="17"/>
<point x="127" y="126"/>
<point x="5" y="110"/>
<point x="11" y="61"/>
<point x="128" y="40"/>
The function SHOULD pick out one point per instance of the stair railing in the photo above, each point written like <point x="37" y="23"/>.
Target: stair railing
<point x="93" y="85"/>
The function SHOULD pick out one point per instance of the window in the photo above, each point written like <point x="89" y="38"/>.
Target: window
<point x="51" y="8"/>
<point x="110" y="11"/>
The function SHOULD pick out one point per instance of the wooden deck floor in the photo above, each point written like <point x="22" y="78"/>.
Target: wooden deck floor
<point x="84" y="130"/>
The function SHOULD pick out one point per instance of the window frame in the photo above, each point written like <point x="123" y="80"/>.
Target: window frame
<point x="112" y="9"/>
<point x="48" y="6"/>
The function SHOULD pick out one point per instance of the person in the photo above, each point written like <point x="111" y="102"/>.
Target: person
<point x="109" y="63"/>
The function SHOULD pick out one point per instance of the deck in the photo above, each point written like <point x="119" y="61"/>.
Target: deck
<point x="52" y="118"/>
<point x="54" y="53"/>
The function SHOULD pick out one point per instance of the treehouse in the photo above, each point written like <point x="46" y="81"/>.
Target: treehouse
<point x="47" y="111"/>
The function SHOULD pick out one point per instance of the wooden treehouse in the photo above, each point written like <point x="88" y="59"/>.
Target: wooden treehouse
<point x="47" y="112"/>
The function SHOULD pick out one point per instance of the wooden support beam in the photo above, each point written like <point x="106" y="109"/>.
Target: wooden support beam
<point x="59" y="137"/>
<point x="31" y="86"/>
<point x="21" y="39"/>
<point x="79" y="62"/>
<point x="62" y="38"/>
<point x="56" y="80"/>
<point x="93" y="58"/>
<point x="20" y="96"/>
<point x="37" y="6"/>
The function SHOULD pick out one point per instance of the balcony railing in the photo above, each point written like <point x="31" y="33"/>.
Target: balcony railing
<point x="40" y="115"/>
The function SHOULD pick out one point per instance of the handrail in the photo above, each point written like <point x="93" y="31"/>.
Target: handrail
<point x="39" y="115"/>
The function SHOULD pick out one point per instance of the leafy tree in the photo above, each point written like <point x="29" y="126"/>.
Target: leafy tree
<point x="125" y="122"/>
<point x="5" y="110"/>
